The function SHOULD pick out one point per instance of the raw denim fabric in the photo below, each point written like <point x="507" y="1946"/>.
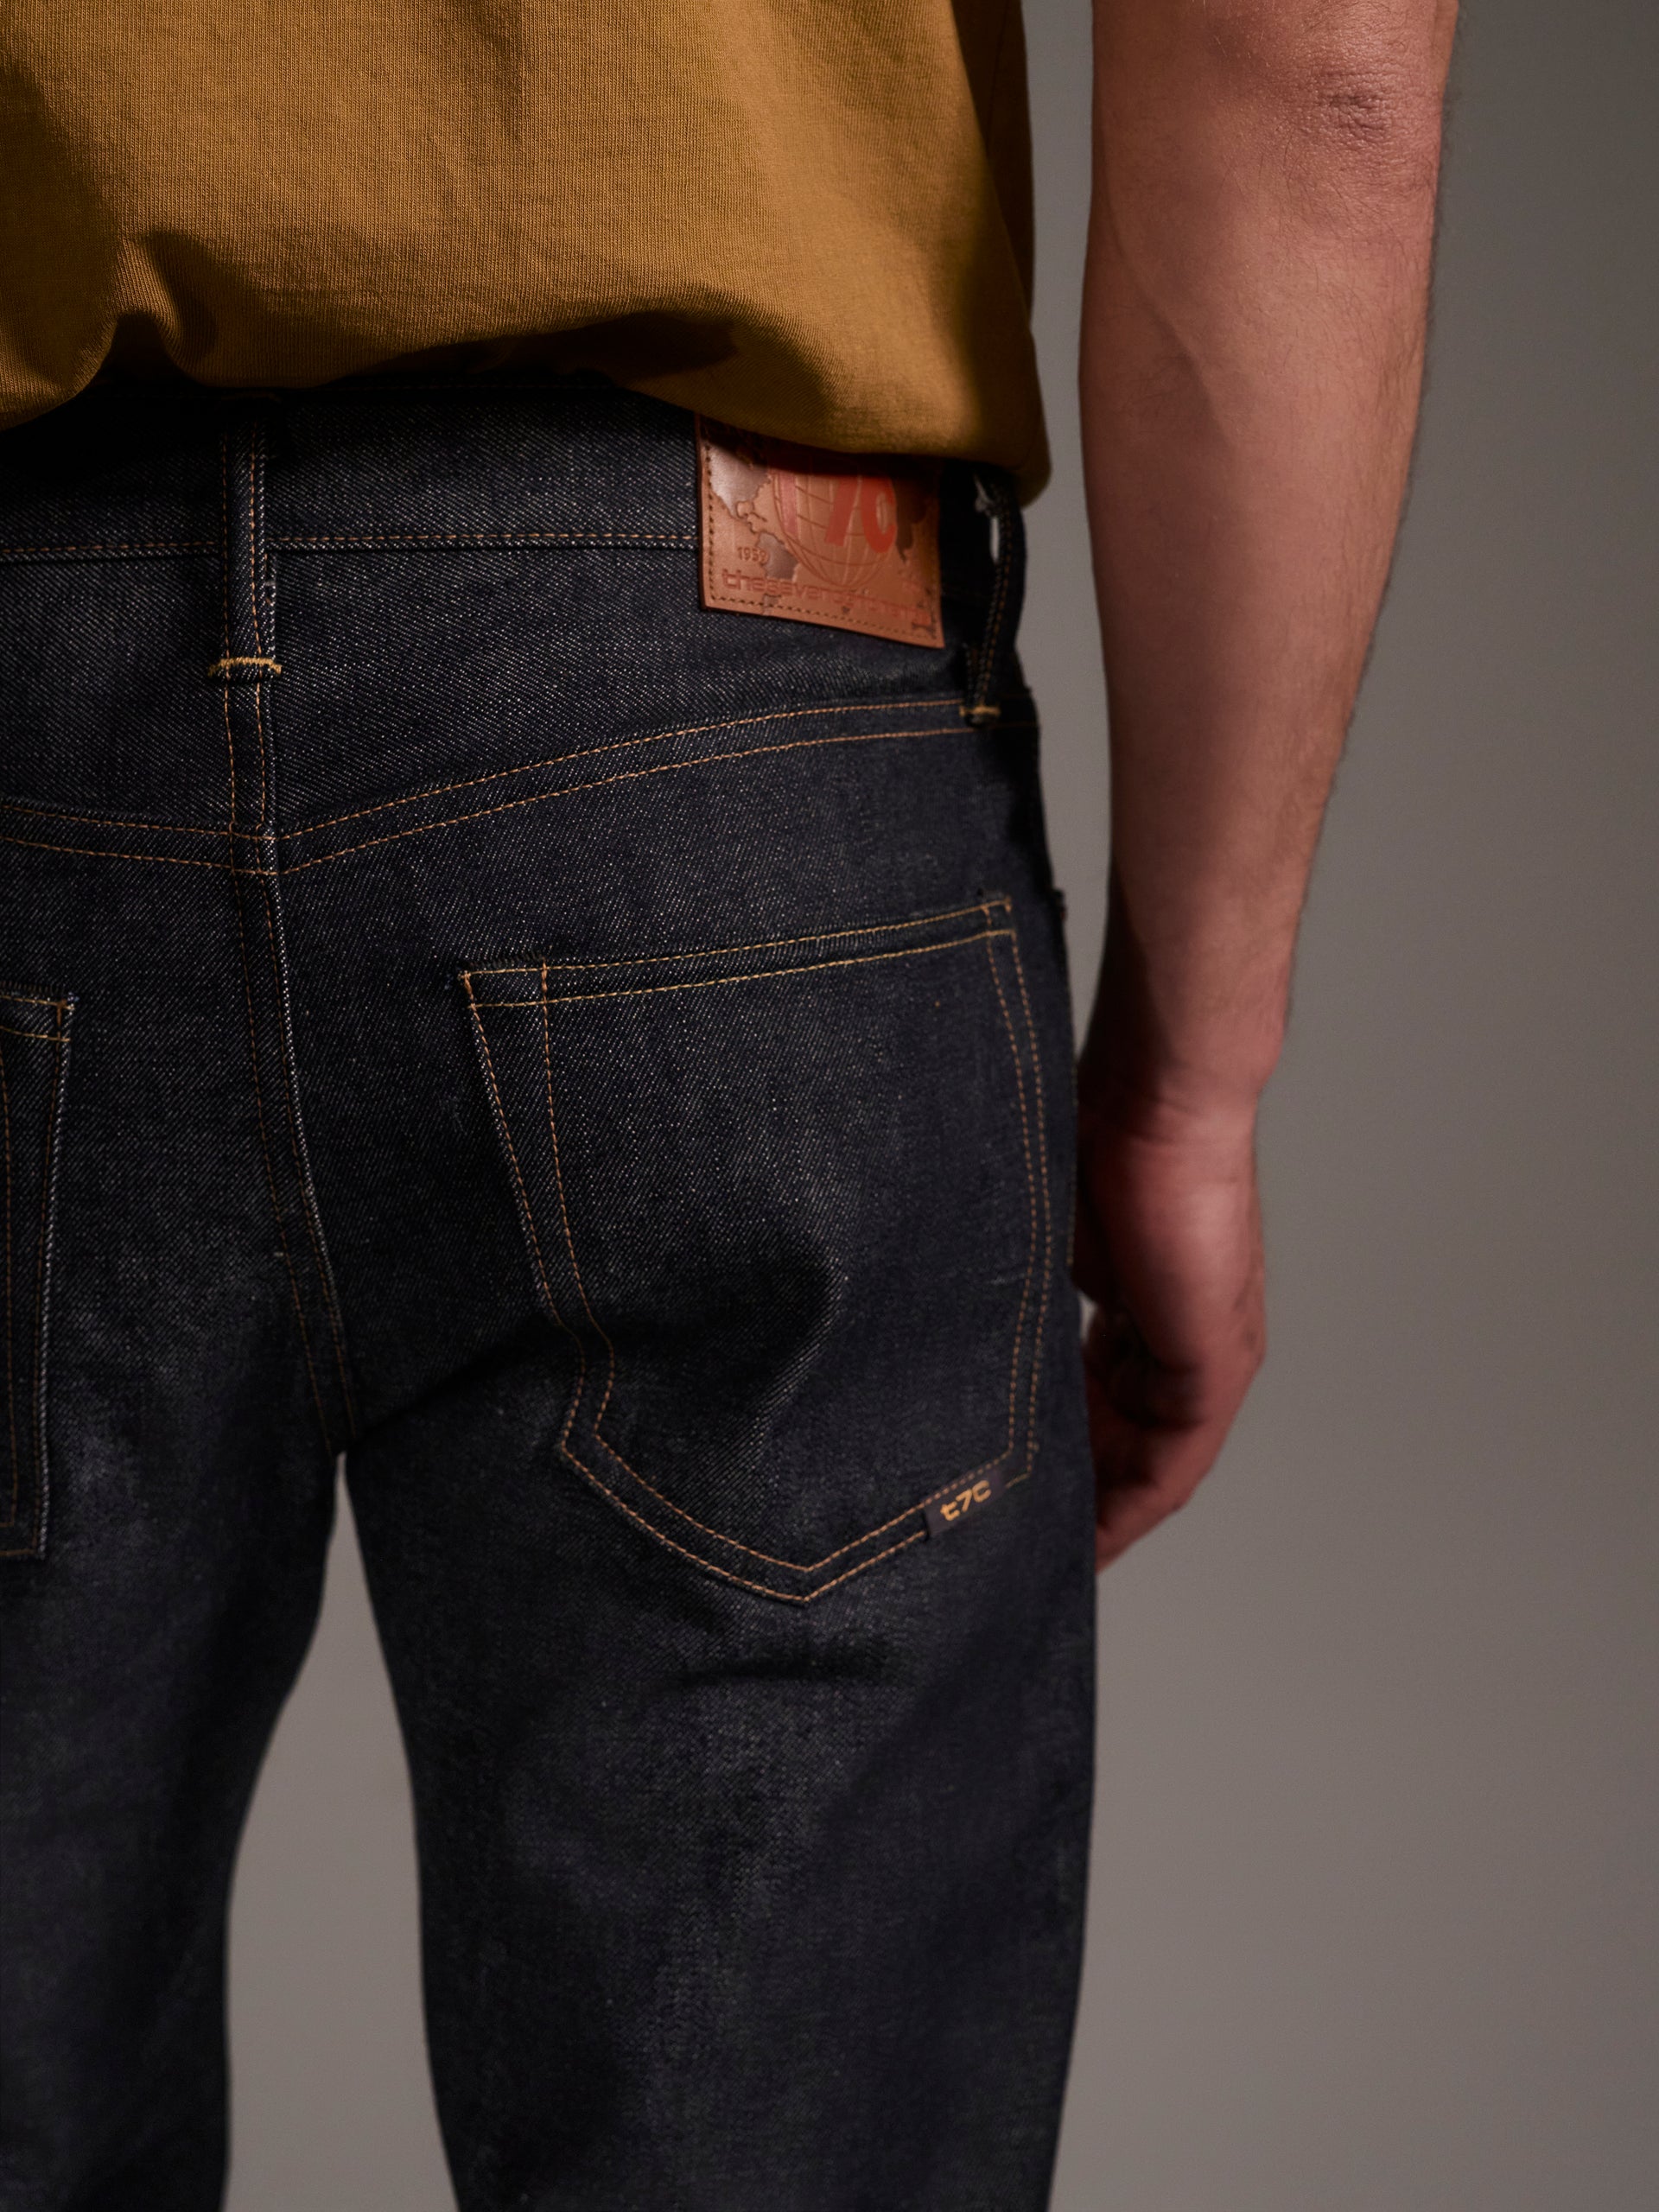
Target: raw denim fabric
<point x="603" y="1067"/>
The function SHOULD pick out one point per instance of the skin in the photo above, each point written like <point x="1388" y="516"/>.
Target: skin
<point x="1254" y="317"/>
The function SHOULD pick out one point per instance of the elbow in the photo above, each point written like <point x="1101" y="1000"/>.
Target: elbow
<point x="1356" y="86"/>
<point x="1376" y="119"/>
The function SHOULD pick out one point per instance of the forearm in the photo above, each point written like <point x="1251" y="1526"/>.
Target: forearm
<point x="1253" y="338"/>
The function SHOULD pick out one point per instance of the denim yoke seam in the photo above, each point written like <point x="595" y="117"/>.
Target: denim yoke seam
<point x="615" y="744"/>
<point x="112" y="547"/>
<point x="1038" y="1257"/>
<point x="431" y="790"/>
<point x="58" y="1038"/>
<point x="103" y="853"/>
<point x="234" y="834"/>
<point x="627" y="776"/>
<point x="120" y="821"/>
<point x="249" y="438"/>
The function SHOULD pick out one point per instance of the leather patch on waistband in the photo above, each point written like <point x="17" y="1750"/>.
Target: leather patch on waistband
<point x="792" y="531"/>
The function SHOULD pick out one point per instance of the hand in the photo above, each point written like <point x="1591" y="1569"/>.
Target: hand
<point x="1168" y="1247"/>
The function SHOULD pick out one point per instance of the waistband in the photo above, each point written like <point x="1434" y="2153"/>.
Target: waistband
<point x="130" y="470"/>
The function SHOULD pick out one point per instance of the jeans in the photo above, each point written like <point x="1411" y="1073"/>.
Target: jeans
<point x="603" y="1068"/>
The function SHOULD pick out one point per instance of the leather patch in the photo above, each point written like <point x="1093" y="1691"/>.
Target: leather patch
<point x="790" y="531"/>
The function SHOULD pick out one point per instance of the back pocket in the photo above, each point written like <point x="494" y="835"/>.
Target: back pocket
<point x="34" y="1056"/>
<point x="789" y="1199"/>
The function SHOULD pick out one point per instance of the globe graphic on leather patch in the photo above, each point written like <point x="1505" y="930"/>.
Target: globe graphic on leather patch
<point x="840" y="528"/>
<point x="847" y="541"/>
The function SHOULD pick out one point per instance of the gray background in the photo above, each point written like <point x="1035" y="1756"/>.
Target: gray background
<point x="1374" y="1899"/>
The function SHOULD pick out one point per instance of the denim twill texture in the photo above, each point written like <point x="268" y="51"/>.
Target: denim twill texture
<point x="603" y="1067"/>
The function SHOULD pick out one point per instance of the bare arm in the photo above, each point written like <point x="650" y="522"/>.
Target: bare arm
<point x="1254" y="317"/>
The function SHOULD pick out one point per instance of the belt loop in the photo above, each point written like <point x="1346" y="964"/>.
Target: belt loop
<point x="247" y="658"/>
<point x="247" y="649"/>
<point x="990" y="665"/>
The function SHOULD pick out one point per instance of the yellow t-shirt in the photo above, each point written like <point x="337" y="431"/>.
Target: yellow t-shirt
<point x="811" y="218"/>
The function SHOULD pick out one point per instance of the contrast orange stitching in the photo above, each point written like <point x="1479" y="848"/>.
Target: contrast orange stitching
<point x="188" y="830"/>
<point x="259" y="727"/>
<point x="225" y="531"/>
<point x="5" y="1310"/>
<point x="225" y="602"/>
<point x="1031" y="1187"/>
<point x="153" y="545"/>
<point x="869" y="1536"/>
<point x="1048" y="1214"/>
<point x="629" y="776"/>
<point x="42" y="1239"/>
<point x="229" y="747"/>
<point x="38" y="1036"/>
<point x="38" y="1437"/>
<point x="246" y="660"/>
<point x="518" y="1173"/>
<point x="759" y="944"/>
<point x="104" y="822"/>
<point x="755" y="974"/>
<point x="618" y="745"/>
<point x="788" y="1597"/>
<point x="490" y="538"/>
<point x="706" y="471"/>
<point x="247" y="979"/>
<point x="31" y="998"/>
<point x="102" y="853"/>
<point x="768" y="1557"/>
<point x="258" y="638"/>
<point x="253" y="540"/>
<point x="558" y="1179"/>
<point x="731" y="1543"/>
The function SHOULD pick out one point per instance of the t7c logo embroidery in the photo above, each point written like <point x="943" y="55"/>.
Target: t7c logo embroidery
<point x="957" y="1504"/>
<point x="953" y="1508"/>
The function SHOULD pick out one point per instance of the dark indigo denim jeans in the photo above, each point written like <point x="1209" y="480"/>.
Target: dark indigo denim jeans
<point x="603" y="1067"/>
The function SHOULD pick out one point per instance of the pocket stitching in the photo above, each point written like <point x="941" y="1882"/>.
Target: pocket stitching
<point x="1048" y="1217"/>
<point x="769" y="1559"/>
<point x="1031" y="1190"/>
<point x="750" y="976"/>
<point x="58" y="1038"/>
<point x="986" y="906"/>
<point x="1038" y="1254"/>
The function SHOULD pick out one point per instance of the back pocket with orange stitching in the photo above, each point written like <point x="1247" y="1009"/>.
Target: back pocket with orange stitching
<point x="34" y="1051"/>
<point x="788" y="1200"/>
